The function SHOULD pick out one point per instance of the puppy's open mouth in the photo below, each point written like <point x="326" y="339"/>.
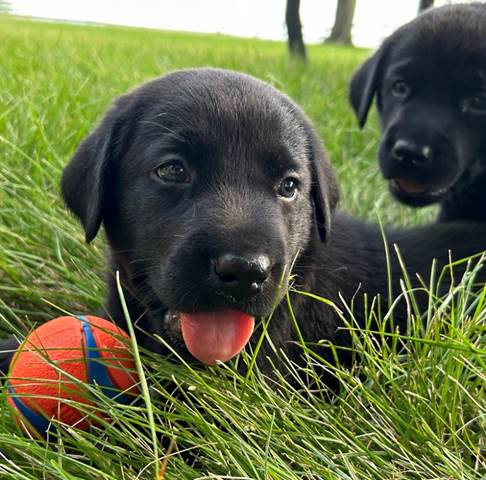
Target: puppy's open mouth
<point x="412" y="189"/>
<point x="211" y="336"/>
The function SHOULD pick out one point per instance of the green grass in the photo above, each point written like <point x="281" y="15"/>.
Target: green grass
<point x="416" y="412"/>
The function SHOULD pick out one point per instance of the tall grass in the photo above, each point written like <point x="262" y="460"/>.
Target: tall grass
<point x="414" y="407"/>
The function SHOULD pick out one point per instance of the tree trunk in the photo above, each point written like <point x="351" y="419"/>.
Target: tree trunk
<point x="294" y="29"/>
<point x="424" y="4"/>
<point x="341" y="31"/>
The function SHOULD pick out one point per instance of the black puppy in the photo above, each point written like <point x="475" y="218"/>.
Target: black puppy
<point x="429" y="79"/>
<point x="210" y="186"/>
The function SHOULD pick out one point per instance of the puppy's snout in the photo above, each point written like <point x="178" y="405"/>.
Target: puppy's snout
<point x="412" y="153"/>
<point x="239" y="276"/>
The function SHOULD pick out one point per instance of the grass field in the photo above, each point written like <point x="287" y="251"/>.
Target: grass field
<point x="420" y="414"/>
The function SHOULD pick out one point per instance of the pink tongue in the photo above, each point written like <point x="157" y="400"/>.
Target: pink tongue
<point x="213" y="336"/>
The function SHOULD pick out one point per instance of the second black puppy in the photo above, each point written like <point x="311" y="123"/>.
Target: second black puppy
<point x="429" y="79"/>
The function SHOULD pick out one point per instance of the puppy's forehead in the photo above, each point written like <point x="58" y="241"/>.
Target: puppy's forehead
<point x="450" y="33"/>
<point x="210" y="106"/>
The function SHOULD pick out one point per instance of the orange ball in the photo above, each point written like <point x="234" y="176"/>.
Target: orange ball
<point x="47" y="372"/>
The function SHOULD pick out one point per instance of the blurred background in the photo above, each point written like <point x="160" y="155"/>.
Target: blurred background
<point x="368" y="21"/>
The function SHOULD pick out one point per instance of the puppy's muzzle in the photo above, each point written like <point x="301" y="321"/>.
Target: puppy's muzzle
<point x="420" y="163"/>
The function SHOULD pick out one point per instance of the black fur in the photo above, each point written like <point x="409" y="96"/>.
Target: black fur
<point x="429" y="80"/>
<point x="234" y="140"/>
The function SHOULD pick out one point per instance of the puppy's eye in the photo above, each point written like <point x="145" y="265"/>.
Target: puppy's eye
<point x="400" y="89"/>
<point x="288" y="188"/>
<point x="172" y="171"/>
<point x="474" y="104"/>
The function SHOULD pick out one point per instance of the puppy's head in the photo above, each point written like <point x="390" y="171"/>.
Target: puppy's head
<point x="209" y="184"/>
<point x="429" y="80"/>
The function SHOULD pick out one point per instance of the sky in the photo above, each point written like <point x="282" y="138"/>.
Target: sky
<point x="373" y="21"/>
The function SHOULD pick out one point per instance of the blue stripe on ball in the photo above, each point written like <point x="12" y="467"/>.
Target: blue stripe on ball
<point x="40" y="423"/>
<point x="97" y="372"/>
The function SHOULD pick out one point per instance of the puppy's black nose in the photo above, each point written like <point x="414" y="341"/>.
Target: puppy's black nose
<point x="239" y="276"/>
<point x="406" y="151"/>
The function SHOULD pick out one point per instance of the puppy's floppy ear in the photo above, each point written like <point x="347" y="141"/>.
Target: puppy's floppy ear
<point x="87" y="178"/>
<point x="364" y="85"/>
<point x="325" y="191"/>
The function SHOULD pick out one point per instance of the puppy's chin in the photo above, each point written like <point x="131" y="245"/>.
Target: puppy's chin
<point x="414" y="194"/>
